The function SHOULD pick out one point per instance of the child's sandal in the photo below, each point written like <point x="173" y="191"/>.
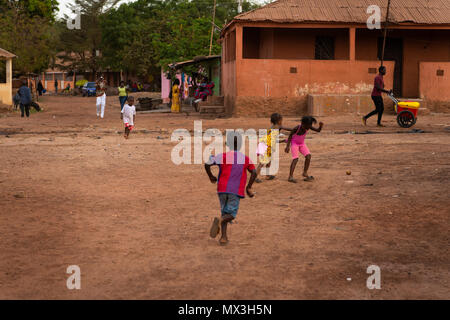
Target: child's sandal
<point x="215" y="228"/>
<point x="310" y="178"/>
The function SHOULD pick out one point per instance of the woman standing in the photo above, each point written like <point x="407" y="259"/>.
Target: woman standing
<point x="176" y="96"/>
<point x="123" y="94"/>
<point x="40" y="87"/>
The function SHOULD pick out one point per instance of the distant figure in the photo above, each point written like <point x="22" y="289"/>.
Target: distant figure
<point x="204" y="90"/>
<point x="128" y="114"/>
<point x="40" y="88"/>
<point x="139" y="86"/>
<point x="176" y="96"/>
<point x="378" y="88"/>
<point x="25" y="99"/>
<point x="16" y="100"/>
<point x="123" y="93"/>
<point x="56" y="86"/>
<point x="134" y="87"/>
<point x="101" y="97"/>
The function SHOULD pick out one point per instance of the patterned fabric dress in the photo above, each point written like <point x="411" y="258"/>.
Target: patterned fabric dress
<point x="266" y="146"/>
<point x="175" y="99"/>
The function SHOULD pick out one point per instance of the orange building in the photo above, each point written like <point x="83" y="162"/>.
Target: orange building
<point x="6" y="79"/>
<point x="290" y="55"/>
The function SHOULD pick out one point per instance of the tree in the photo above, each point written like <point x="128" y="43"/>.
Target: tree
<point x="42" y="8"/>
<point x="80" y="48"/>
<point x="145" y="35"/>
<point x="31" y="30"/>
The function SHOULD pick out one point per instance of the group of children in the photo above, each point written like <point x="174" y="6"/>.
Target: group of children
<point x="233" y="167"/>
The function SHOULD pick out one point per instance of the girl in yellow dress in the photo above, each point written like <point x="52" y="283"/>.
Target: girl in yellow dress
<point x="268" y="143"/>
<point x="176" y="96"/>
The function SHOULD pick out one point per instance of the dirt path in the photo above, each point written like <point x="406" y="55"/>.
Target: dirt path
<point x="74" y="192"/>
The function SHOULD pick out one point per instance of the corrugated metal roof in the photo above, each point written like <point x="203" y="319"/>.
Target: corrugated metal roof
<point x="350" y="11"/>
<point x="6" y="54"/>
<point x="194" y="61"/>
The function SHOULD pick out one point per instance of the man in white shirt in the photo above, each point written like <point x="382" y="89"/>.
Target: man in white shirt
<point x="128" y="115"/>
<point x="101" y="97"/>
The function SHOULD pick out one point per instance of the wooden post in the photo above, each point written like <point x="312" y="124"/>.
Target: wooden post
<point x="8" y="100"/>
<point x="352" y="46"/>
<point x="212" y="27"/>
<point x="385" y="31"/>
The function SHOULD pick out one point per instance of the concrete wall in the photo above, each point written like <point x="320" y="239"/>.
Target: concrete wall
<point x="228" y="74"/>
<point x="265" y="86"/>
<point x="6" y="88"/>
<point x="332" y="104"/>
<point x="434" y="88"/>
<point x="290" y="43"/>
<point x="418" y="45"/>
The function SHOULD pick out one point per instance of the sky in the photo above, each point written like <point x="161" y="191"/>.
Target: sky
<point x="64" y="10"/>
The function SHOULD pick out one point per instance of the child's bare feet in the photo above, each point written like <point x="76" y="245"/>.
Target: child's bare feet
<point x="215" y="228"/>
<point x="257" y="180"/>
<point x="291" y="179"/>
<point x="270" y="177"/>
<point x="223" y="241"/>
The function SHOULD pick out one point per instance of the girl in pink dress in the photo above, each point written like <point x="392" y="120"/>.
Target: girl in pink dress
<point x="296" y="143"/>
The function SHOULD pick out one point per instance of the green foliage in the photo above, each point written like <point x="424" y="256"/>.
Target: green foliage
<point x="33" y="40"/>
<point x="41" y="8"/>
<point x="145" y="35"/>
<point x="79" y="47"/>
<point x="140" y="36"/>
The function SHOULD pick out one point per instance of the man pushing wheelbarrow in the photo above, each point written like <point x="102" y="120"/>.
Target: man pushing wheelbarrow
<point x="378" y="88"/>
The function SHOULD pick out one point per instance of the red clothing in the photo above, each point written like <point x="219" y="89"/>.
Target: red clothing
<point x="378" y="82"/>
<point x="233" y="167"/>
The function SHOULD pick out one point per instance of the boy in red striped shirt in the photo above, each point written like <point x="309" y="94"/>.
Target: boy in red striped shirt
<point x="233" y="167"/>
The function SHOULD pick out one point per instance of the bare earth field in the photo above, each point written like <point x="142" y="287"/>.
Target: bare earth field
<point x="74" y="192"/>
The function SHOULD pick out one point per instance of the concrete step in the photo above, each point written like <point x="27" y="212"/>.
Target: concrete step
<point x="213" y="101"/>
<point x="212" y="109"/>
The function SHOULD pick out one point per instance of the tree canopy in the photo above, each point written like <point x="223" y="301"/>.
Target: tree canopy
<point x="140" y="36"/>
<point x="27" y="31"/>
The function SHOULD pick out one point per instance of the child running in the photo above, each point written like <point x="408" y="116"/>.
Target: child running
<point x="296" y="142"/>
<point x="128" y="115"/>
<point x="233" y="167"/>
<point x="268" y="143"/>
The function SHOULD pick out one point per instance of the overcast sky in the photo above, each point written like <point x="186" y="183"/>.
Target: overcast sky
<point x="64" y="10"/>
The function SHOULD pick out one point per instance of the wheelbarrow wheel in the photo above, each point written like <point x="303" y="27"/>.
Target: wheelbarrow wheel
<point x="406" y="119"/>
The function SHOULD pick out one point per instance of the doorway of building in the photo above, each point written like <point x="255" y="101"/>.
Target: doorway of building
<point x="393" y="51"/>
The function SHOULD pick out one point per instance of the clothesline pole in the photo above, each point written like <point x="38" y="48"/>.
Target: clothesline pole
<point x="385" y="31"/>
<point x="212" y="27"/>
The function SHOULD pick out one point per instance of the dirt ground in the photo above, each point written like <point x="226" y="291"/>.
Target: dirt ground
<point x="74" y="192"/>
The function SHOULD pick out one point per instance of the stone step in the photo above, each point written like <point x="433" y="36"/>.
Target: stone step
<point x="212" y="109"/>
<point x="213" y="101"/>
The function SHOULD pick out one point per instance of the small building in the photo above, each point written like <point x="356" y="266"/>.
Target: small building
<point x="286" y="55"/>
<point x="6" y="87"/>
